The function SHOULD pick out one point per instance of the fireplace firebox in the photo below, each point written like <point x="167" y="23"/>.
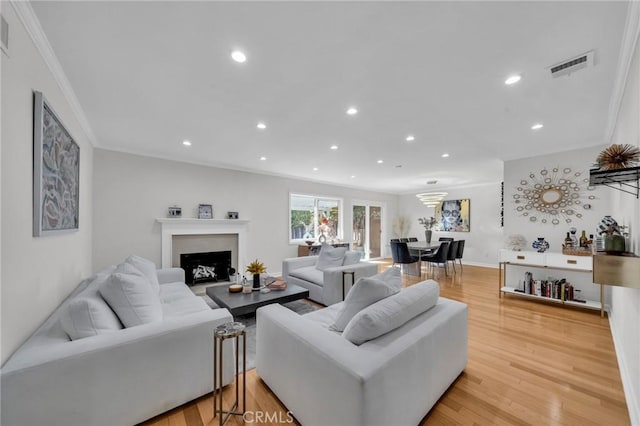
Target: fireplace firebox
<point x="204" y="267"/>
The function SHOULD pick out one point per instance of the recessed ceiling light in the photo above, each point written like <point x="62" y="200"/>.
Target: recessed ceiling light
<point x="380" y="161"/>
<point x="186" y="143"/>
<point x="333" y="147"/>
<point x="512" y="79"/>
<point x="238" y="56"/>
<point x="353" y="176"/>
<point x="537" y="126"/>
<point x="315" y="169"/>
<point x="432" y="182"/>
<point x="263" y="158"/>
<point x="398" y="166"/>
<point x="261" y="126"/>
<point x="352" y="111"/>
<point x="445" y="155"/>
<point x="410" y="138"/>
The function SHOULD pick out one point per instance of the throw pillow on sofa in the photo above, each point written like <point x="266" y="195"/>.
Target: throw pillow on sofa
<point x="148" y="268"/>
<point x="87" y="316"/>
<point x="391" y="312"/>
<point x="367" y="290"/>
<point x="391" y="276"/>
<point x="351" y="258"/>
<point x="330" y="257"/>
<point x="132" y="299"/>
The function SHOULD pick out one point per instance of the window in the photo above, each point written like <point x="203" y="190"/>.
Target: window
<point x="312" y="216"/>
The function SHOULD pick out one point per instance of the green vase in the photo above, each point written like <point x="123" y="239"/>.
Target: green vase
<point x="614" y="243"/>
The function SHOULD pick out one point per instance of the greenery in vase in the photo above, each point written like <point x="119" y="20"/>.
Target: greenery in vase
<point x="428" y="223"/>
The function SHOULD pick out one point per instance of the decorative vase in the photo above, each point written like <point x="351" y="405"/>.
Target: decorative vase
<point x="427" y="236"/>
<point x="256" y="281"/>
<point x="614" y="244"/>
<point x="541" y="245"/>
<point x="322" y="238"/>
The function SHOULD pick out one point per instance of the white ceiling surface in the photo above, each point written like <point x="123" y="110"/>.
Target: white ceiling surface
<point x="150" y="74"/>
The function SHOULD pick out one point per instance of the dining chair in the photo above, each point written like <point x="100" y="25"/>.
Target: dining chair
<point x="445" y="239"/>
<point x="404" y="240"/>
<point x="459" y="253"/>
<point x="413" y="239"/>
<point x="440" y="256"/>
<point x="395" y="240"/>
<point x="452" y="253"/>
<point x="401" y="255"/>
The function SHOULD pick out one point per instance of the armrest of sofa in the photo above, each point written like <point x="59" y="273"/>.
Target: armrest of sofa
<point x="292" y="263"/>
<point x="332" y="289"/>
<point x="147" y="366"/>
<point x="170" y="275"/>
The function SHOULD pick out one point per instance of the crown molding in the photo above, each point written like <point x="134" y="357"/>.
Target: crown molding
<point x="32" y="25"/>
<point x="629" y="40"/>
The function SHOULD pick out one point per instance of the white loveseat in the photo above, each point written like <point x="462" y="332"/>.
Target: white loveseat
<point x="325" y="286"/>
<point x="116" y="378"/>
<point x="394" y="379"/>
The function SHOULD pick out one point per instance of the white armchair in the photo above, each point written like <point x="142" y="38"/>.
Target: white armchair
<point x="325" y="286"/>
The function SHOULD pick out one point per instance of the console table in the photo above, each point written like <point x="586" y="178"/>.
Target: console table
<point x="549" y="261"/>
<point x="314" y="249"/>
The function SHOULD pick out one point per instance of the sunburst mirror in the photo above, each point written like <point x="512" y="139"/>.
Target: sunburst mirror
<point x="552" y="196"/>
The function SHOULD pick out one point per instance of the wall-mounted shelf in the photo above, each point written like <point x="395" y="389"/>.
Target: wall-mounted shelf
<point x="623" y="177"/>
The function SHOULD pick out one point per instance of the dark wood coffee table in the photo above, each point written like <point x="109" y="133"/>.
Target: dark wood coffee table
<point x="241" y="303"/>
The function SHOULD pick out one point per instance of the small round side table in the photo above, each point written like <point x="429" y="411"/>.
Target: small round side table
<point x="353" y="279"/>
<point x="230" y="330"/>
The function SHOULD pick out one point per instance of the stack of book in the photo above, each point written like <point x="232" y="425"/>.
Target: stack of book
<point x="277" y="285"/>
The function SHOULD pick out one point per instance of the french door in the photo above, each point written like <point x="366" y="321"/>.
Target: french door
<point x="367" y="229"/>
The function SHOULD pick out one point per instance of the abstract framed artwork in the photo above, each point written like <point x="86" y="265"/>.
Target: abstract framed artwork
<point x="56" y="173"/>
<point x="453" y="215"/>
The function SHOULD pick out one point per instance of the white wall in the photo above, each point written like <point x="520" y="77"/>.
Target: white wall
<point x="132" y="191"/>
<point x="579" y="161"/>
<point x="485" y="237"/>
<point x="625" y="315"/>
<point x="37" y="273"/>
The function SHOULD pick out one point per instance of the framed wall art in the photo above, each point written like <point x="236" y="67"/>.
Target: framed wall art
<point x="56" y="173"/>
<point x="205" y="211"/>
<point x="453" y="215"/>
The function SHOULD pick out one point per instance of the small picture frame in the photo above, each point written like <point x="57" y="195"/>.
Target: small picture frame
<point x="232" y="215"/>
<point x="205" y="211"/>
<point x="175" y="211"/>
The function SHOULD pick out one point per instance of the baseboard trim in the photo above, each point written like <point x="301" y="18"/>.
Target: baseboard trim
<point x="630" y="395"/>
<point x="483" y="265"/>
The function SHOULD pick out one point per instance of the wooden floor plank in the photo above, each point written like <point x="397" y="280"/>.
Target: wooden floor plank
<point x="529" y="363"/>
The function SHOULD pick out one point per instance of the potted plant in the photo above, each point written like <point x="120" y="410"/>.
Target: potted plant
<point x="256" y="268"/>
<point x="429" y="224"/>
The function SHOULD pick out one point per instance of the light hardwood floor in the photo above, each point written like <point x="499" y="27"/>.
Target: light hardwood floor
<point x="529" y="363"/>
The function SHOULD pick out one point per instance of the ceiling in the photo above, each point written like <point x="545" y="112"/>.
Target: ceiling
<point x="149" y="75"/>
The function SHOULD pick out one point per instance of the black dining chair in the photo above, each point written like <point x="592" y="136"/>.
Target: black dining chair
<point x="404" y="240"/>
<point x="452" y="253"/>
<point x="459" y="253"/>
<point x="440" y="256"/>
<point x="445" y="239"/>
<point x="401" y="255"/>
<point x="413" y="239"/>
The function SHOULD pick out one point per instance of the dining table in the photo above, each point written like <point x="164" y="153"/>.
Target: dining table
<point x="422" y="248"/>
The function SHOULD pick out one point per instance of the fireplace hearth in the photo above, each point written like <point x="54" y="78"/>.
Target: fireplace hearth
<point x="199" y="268"/>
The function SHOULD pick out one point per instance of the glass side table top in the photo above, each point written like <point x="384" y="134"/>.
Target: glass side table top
<point x="230" y="329"/>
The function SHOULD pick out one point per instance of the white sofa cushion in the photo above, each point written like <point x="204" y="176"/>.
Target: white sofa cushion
<point x="366" y="291"/>
<point x="351" y="258"/>
<point x="391" y="312"/>
<point x="391" y="276"/>
<point x="181" y="307"/>
<point x="174" y="291"/>
<point x="330" y="256"/>
<point x="132" y="299"/>
<point x="87" y="316"/>
<point x="309" y="273"/>
<point x="148" y="268"/>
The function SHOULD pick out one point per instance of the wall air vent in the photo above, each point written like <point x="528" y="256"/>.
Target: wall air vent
<point x="4" y="35"/>
<point x="572" y="65"/>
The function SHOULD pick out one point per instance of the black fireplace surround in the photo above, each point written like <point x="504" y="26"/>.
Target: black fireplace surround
<point x="210" y="266"/>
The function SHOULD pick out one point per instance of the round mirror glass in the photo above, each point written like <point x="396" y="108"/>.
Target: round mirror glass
<point x="551" y="196"/>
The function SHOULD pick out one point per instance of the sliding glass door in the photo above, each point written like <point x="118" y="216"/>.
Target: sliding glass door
<point x="367" y="229"/>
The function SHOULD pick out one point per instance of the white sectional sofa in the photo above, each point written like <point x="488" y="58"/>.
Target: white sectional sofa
<point x="394" y="379"/>
<point x="115" y="378"/>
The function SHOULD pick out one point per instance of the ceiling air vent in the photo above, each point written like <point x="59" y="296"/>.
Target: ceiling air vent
<point x="572" y="65"/>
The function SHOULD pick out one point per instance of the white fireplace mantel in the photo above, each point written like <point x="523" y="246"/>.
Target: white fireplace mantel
<point x="179" y="226"/>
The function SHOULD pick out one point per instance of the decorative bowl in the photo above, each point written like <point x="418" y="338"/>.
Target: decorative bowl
<point x="235" y="288"/>
<point x="309" y="242"/>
